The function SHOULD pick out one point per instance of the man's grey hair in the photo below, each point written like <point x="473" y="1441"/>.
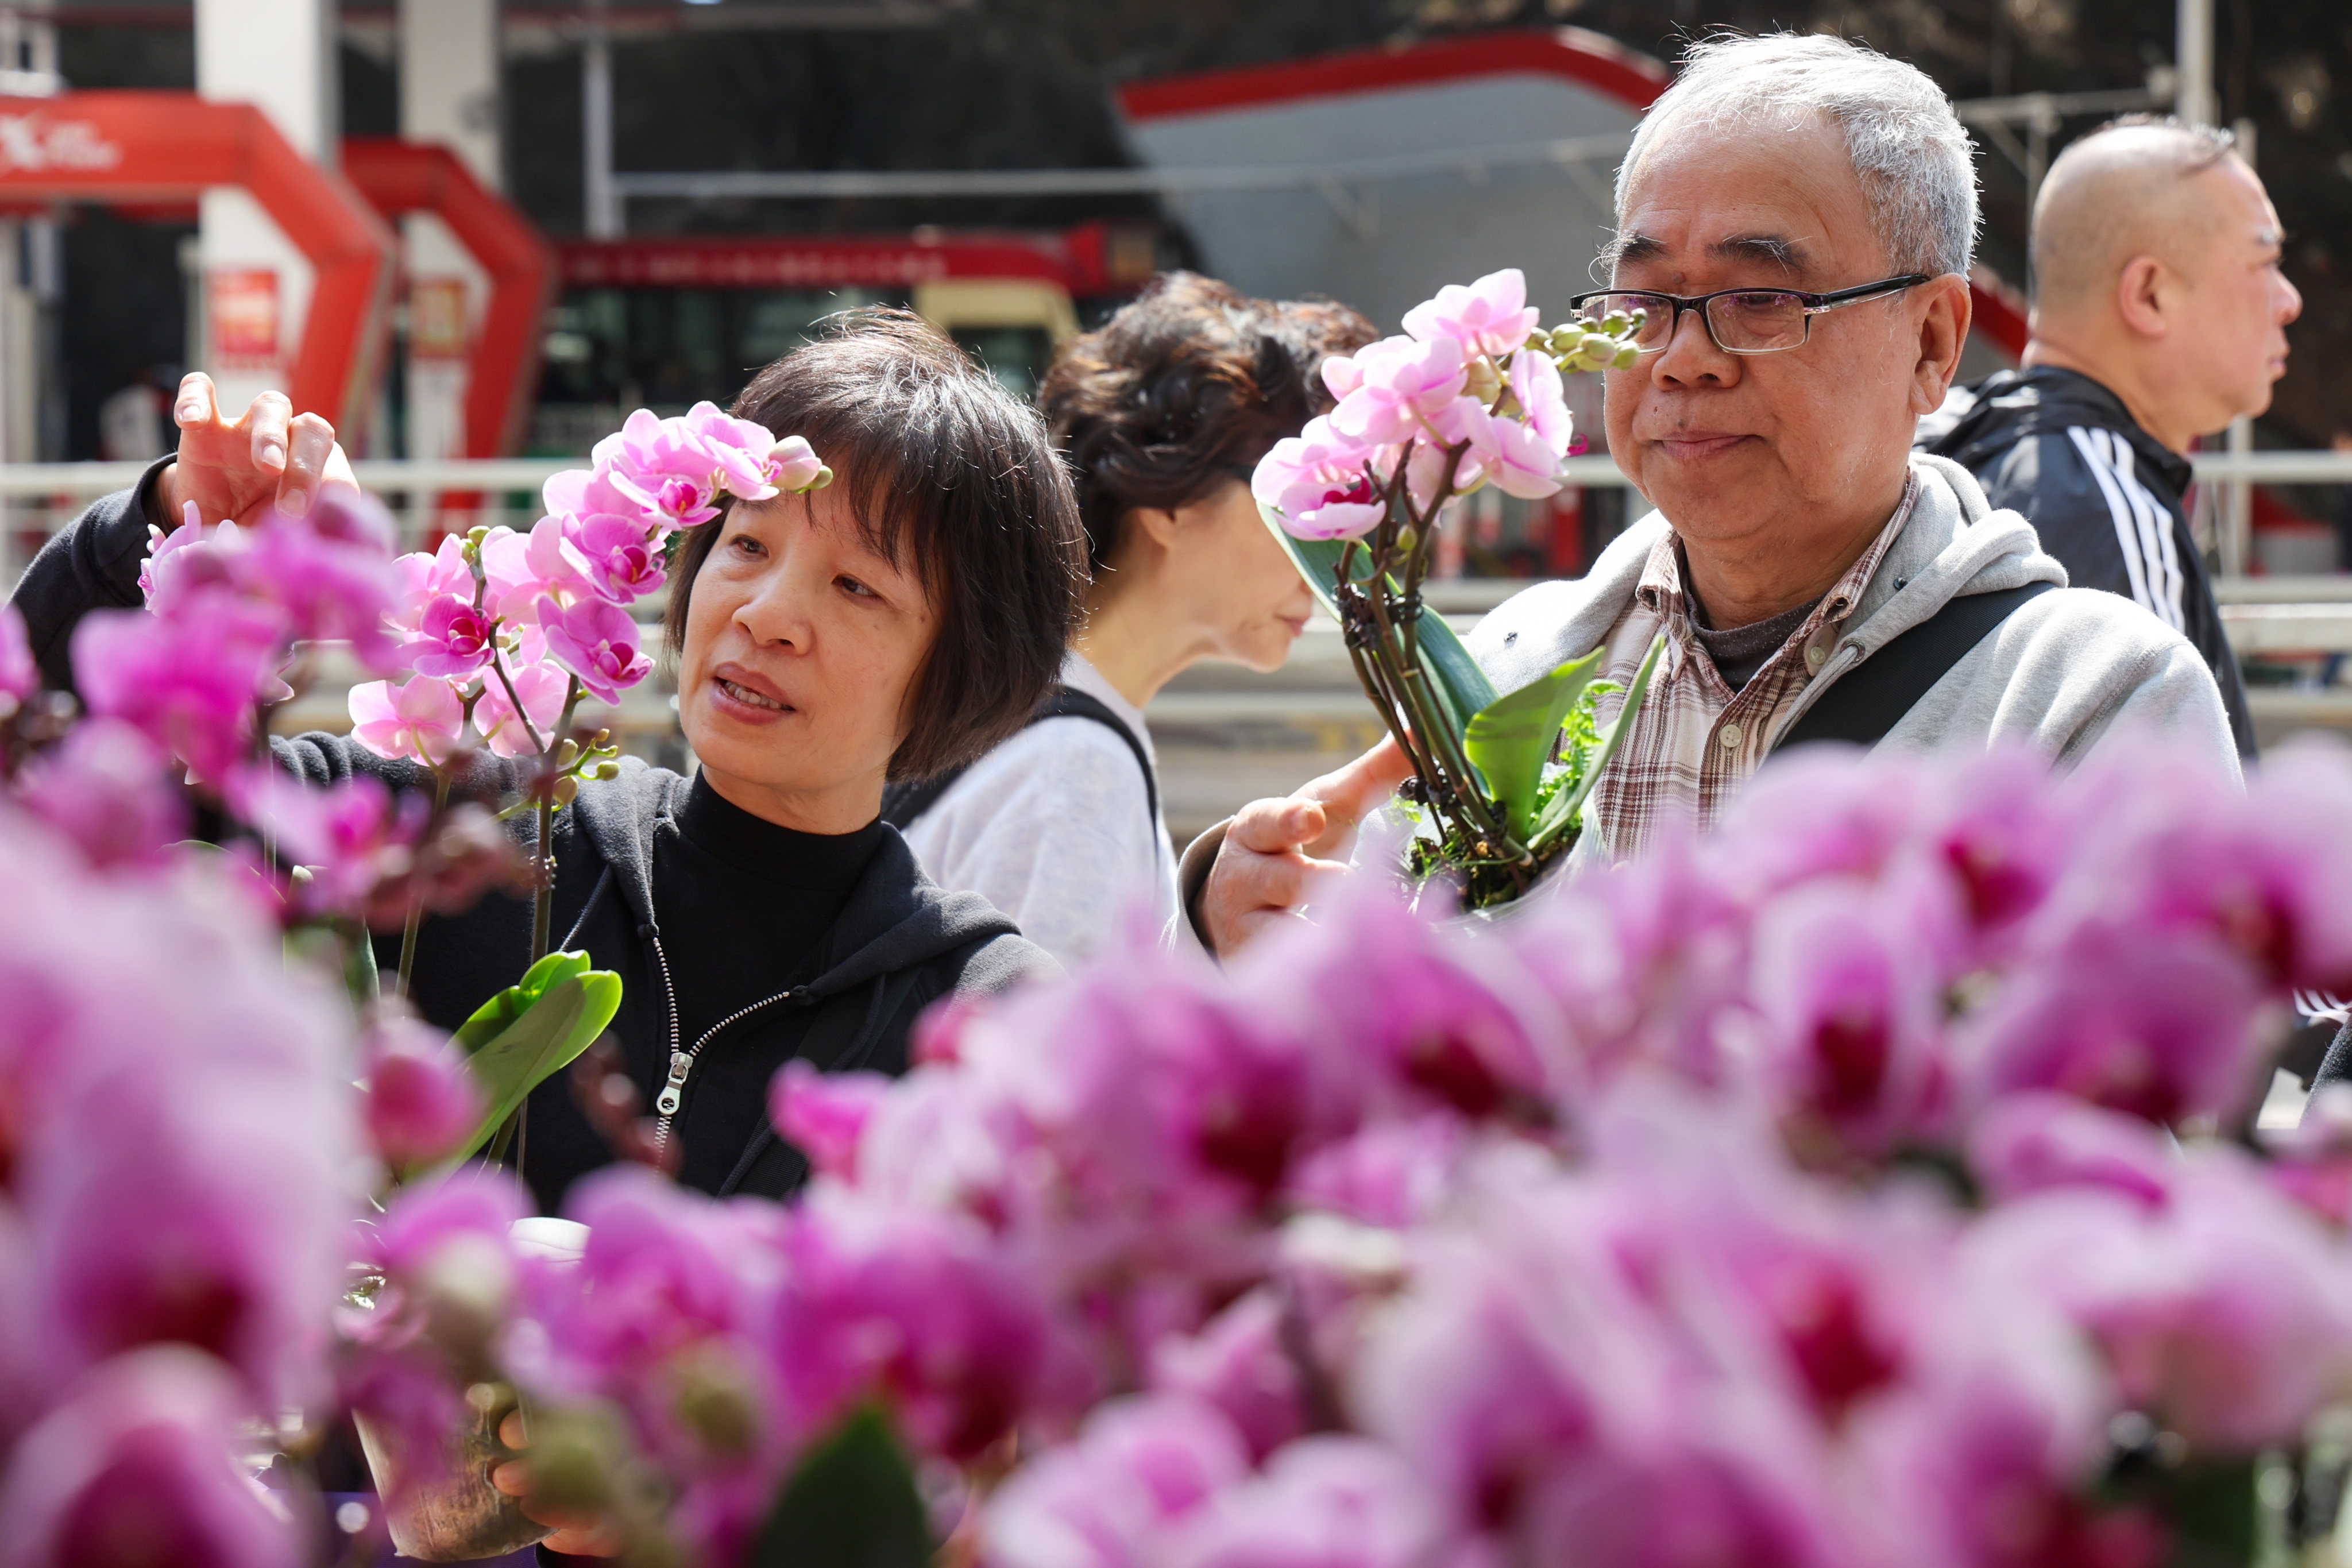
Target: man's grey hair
<point x="1907" y="146"/>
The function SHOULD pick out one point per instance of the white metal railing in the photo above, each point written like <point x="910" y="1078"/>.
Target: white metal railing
<point x="83" y="480"/>
<point x="43" y="481"/>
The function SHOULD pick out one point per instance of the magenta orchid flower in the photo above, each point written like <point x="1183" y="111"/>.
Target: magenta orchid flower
<point x="597" y="642"/>
<point x="454" y="637"/>
<point x="139" y="1465"/>
<point x="19" y="676"/>
<point x="613" y="555"/>
<point x="421" y="1097"/>
<point x="108" y="789"/>
<point x="191" y="680"/>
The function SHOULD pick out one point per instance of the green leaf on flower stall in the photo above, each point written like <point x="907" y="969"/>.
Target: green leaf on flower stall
<point x="1512" y="738"/>
<point x="492" y="1017"/>
<point x="852" y="1503"/>
<point x="551" y="1030"/>
<point x="1568" y="804"/>
<point x="1461" y="687"/>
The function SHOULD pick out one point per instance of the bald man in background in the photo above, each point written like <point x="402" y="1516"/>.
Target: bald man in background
<point x="2160" y="315"/>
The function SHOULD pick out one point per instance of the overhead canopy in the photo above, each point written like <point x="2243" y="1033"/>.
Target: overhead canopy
<point x="1414" y="167"/>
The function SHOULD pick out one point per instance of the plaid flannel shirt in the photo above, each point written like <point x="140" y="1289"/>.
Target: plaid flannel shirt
<point x="1696" y="739"/>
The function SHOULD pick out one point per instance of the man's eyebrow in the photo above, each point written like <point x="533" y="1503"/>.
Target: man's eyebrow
<point x="1772" y="248"/>
<point x="1623" y="247"/>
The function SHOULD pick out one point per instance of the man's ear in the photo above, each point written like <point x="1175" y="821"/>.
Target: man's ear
<point x="2145" y="295"/>
<point x="1943" y="329"/>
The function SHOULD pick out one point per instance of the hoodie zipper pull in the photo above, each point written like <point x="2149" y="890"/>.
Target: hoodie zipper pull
<point x="680" y="1064"/>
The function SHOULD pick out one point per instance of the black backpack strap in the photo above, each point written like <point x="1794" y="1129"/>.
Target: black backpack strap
<point x="1871" y="699"/>
<point x="910" y="798"/>
<point x="1067" y="702"/>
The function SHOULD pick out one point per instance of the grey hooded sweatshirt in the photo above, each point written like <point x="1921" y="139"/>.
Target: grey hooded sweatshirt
<point x="2061" y="671"/>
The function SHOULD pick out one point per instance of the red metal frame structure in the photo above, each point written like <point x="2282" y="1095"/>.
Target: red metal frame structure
<point x="160" y="149"/>
<point x="1571" y="52"/>
<point x="1085" y="261"/>
<point x="502" y="364"/>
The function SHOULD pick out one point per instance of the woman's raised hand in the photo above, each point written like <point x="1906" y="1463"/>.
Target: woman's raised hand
<point x="235" y="468"/>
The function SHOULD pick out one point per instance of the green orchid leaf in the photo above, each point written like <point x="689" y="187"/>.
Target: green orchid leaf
<point x="1568" y="806"/>
<point x="1512" y="738"/>
<point x="851" y="1503"/>
<point x="552" y="1029"/>
<point x="1461" y="688"/>
<point x="493" y="1016"/>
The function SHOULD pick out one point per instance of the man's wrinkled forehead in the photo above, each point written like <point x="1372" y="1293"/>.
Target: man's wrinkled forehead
<point x="1755" y="201"/>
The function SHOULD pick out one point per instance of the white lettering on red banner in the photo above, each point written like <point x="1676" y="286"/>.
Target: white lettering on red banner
<point x="34" y="144"/>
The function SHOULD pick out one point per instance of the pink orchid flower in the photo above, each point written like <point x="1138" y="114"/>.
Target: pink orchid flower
<point x="522" y="569"/>
<point x="420" y="578"/>
<point x="542" y="686"/>
<point x="1542" y="397"/>
<point x="1490" y="317"/>
<point x="647" y="454"/>
<point x="1315" y="482"/>
<point x="421" y="718"/>
<point x="793" y="465"/>
<point x="597" y="642"/>
<point x="741" y="448"/>
<point x="1400" y="385"/>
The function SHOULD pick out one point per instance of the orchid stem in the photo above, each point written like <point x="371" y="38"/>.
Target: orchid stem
<point x="416" y="898"/>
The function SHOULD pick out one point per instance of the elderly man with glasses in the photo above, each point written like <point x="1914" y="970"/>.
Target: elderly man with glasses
<point x="1795" y="218"/>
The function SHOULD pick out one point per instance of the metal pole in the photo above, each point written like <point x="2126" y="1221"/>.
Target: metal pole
<point x="603" y="199"/>
<point x="2237" y="496"/>
<point x="2192" y="53"/>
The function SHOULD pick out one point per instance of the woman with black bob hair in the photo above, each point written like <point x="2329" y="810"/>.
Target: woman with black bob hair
<point x="900" y="621"/>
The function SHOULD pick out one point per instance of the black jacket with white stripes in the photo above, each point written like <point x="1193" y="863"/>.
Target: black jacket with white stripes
<point x="2104" y="496"/>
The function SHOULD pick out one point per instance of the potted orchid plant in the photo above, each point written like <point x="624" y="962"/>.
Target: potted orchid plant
<point x="1469" y="395"/>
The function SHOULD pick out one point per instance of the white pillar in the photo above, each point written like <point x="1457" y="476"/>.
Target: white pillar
<point x="279" y="56"/>
<point x="448" y="95"/>
<point x="2192" y="62"/>
<point x="603" y="215"/>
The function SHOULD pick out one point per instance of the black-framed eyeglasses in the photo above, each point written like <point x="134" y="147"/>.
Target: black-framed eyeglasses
<point x="1739" y="321"/>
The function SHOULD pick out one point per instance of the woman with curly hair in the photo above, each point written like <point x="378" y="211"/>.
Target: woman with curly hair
<point x="1163" y="413"/>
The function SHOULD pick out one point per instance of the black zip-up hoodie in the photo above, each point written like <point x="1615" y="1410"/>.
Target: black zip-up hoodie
<point x="2106" y="497"/>
<point x="899" y="943"/>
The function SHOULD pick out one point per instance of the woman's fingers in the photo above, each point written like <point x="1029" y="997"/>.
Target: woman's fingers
<point x="266" y="426"/>
<point x="310" y="444"/>
<point x="198" y="401"/>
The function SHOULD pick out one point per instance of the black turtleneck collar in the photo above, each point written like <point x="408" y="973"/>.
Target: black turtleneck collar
<point x="818" y="861"/>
